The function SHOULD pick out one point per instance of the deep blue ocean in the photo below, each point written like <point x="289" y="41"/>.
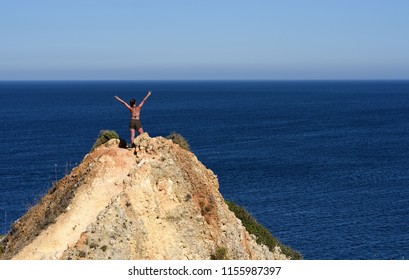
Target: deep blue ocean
<point x="323" y="165"/>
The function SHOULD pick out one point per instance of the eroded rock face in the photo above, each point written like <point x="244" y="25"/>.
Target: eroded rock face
<point x="156" y="201"/>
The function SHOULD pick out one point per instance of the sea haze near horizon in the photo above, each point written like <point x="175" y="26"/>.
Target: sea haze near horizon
<point x="324" y="165"/>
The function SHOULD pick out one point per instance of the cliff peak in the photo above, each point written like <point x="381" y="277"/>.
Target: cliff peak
<point x="156" y="201"/>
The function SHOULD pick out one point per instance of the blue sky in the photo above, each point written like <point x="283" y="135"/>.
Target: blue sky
<point x="192" y="39"/>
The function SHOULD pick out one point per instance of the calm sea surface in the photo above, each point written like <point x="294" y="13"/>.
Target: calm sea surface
<point x="323" y="165"/>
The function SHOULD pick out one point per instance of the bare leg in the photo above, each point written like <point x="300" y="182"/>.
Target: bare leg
<point x="140" y="130"/>
<point x="132" y="131"/>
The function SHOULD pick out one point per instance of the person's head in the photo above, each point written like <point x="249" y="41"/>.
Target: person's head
<point x="132" y="102"/>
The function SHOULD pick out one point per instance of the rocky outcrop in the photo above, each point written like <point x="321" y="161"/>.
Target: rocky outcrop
<point x="156" y="201"/>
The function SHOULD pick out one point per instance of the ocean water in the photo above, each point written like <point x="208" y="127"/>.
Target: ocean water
<point x="323" y="165"/>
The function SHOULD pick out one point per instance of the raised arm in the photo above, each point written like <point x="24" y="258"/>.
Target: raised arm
<point x="146" y="97"/>
<point x="123" y="102"/>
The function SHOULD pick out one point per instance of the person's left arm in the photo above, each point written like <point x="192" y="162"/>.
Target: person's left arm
<point x="146" y="97"/>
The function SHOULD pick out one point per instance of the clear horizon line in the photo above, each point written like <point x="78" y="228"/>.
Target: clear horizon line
<point x="204" y="80"/>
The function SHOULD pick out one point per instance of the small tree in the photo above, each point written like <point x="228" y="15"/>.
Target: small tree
<point x="104" y="136"/>
<point x="180" y="140"/>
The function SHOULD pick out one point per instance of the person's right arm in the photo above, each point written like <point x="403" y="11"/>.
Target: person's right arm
<point x="123" y="102"/>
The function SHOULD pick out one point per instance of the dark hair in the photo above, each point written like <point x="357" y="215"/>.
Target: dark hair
<point x="132" y="102"/>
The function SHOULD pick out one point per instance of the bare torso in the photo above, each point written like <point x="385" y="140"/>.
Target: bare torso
<point x="135" y="112"/>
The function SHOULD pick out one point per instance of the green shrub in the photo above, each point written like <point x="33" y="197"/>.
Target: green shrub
<point x="179" y="139"/>
<point x="104" y="136"/>
<point x="263" y="236"/>
<point x="2" y="246"/>
<point x="220" y="254"/>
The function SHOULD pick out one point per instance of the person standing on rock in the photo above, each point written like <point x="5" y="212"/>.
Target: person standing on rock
<point x="135" y="122"/>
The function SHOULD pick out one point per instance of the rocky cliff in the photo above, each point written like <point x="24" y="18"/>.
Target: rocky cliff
<point x="156" y="201"/>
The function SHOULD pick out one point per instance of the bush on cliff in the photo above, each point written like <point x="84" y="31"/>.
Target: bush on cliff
<point x="1" y="252"/>
<point x="1" y="246"/>
<point x="219" y="254"/>
<point x="179" y="139"/>
<point x="104" y="136"/>
<point x="263" y="236"/>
